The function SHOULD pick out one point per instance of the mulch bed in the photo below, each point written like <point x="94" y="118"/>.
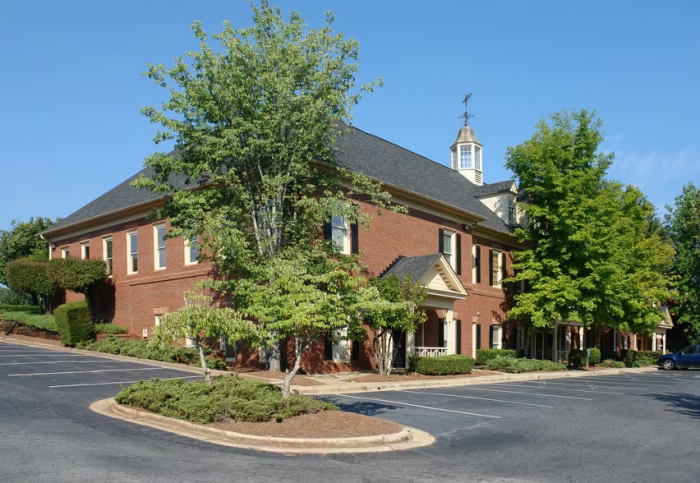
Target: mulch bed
<point x="325" y="424"/>
<point x="297" y="381"/>
<point x="28" y="338"/>
<point x="412" y="376"/>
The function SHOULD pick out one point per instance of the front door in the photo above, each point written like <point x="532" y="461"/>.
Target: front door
<point x="399" y="341"/>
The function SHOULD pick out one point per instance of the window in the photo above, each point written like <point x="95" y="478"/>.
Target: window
<point x="159" y="245"/>
<point x="107" y="254"/>
<point x="337" y="348"/>
<point x="495" y="268"/>
<point x="689" y="350"/>
<point x="465" y="157"/>
<point x="85" y="250"/>
<point x="453" y="158"/>
<point x="132" y="251"/>
<point x="159" y="320"/>
<point x="520" y="338"/>
<point x="495" y="336"/>
<point x="446" y="249"/>
<point x="191" y="251"/>
<point x="65" y="252"/>
<point x="477" y="157"/>
<point x="339" y="234"/>
<point x="476" y="264"/>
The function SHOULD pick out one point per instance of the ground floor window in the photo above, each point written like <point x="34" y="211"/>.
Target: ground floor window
<point x="495" y="332"/>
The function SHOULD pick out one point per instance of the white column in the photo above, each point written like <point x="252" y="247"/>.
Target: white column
<point x="581" y="339"/>
<point x="554" y="343"/>
<point x="663" y="343"/>
<point x="410" y="344"/>
<point x="450" y="332"/>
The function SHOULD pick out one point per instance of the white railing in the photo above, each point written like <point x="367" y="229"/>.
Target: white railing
<point x="563" y="356"/>
<point x="431" y="351"/>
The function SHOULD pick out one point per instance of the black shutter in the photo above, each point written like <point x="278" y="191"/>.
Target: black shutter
<point x="459" y="336"/>
<point x="491" y="267"/>
<point x="459" y="254"/>
<point x="327" y="231"/>
<point x="355" y="350"/>
<point x="441" y="332"/>
<point x="478" y="336"/>
<point x="490" y="336"/>
<point x="354" y="242"/>
<point x="441" y="241"/>
<point x="478" y="264"/>
<point x="328" y="348"/>
<point x="504" y="271"/>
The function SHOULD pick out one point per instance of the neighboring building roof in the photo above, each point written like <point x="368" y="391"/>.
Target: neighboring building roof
<point x="416" y="267"/>
<point x="357" y="151"/>
<point x="494" y="188"/>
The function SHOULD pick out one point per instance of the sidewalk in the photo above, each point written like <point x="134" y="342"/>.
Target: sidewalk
<point x="340" y="384"/>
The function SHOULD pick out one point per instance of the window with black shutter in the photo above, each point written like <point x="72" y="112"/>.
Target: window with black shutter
<point x="478" y="336"/>
<point x="459" y="254"/>
<point x="441" y="333"/>
<point x="504" y="272"/>
<point x="458" y="328"/>
<point x="477" y="264"/>
<point x="491" y="267"/>
<point x="355" y="351"/>
<point x="328" y="348"/>
<point x="491" y="334"/>
<point x="354" y="242"/>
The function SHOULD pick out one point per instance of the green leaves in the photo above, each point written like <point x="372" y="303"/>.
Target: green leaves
<point x="23" y="241"/>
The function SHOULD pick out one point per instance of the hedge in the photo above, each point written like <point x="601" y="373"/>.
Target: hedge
<point x="509" y="364"/>
<point x="577" y="357"/>
<point x="44" y="322"/>
<point x="225" y="397"/>
<point x="641" y="358"/>
<point x="28" y="309"/>
<point x="485" y="355"/>
<point x="441" y="365"/>
<point x="77" y="275"/>
<point x="73" y="323"/>
<point x="26" y="276"/>
<point x="613" y="364"/>
<point x="108" y="328"/>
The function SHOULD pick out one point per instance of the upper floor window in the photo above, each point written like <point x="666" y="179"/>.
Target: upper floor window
<point x="453" y="158"/>
<point x="159" y="244"/>
<point x="495" y="268"/>
<point x="447" y="249"/>
<point x="65" y="252"/>
<point x="340" y="234"/>
<point x="107" y="254"/>
<point x="465" y="157"/>
<point x="85" y="250"/>
<point x="191" y="251"/>
<point x="477" y="157"/>
<point x="476" y="264"/>
<point x="132" y="251"/>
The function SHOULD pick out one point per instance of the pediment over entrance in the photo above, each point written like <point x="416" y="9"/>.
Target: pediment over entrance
<point x="433" y="272"/>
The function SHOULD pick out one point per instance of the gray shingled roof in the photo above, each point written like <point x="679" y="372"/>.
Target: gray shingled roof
<point x="357" y="151"/>
<point x="416" y="267"/>
<point x="493" y="188"/>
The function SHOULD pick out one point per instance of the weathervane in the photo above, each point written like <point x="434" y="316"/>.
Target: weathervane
<point x="466" y="114"/>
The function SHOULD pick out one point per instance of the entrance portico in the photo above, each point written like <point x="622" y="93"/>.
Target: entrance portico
<point x="438" y="335"/>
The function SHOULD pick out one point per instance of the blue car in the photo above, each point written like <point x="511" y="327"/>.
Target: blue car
<point x="683" y="359"/>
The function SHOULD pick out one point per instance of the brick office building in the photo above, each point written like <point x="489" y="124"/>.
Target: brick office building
<point x="455" y="239"/>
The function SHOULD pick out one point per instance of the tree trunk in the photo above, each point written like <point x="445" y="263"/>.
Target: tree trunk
<point x="202" y="360"/>
<point x="298" y="353"/>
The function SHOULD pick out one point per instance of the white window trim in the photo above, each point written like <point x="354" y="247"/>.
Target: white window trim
<point x="129" y="254"/>
<point x="158" y="319"/>
<point x="188" y="254"/>
<point x="346" y="249"/>
<point x="498" y="276"/>
<point x="65" y="252"/>
<point x="83" y="246"/>
<point x="497" y="336"/>
<point x="156" y="249"/>
<point x="473" y="263"/>
<point x="341" y="347"/>
<point x="453" y="248"/>
<point x="104" y="253"/>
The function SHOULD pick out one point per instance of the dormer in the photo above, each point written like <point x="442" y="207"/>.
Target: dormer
<point x="465" y="155"/>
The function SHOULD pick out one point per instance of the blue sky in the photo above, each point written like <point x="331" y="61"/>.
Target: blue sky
<point x="71" y="87"/>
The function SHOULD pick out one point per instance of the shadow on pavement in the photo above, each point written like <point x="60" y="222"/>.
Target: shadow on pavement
<point x="686" y="404"/>
<point x="366" y="408"/>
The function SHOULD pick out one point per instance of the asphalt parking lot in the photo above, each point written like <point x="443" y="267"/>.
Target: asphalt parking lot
<point x="632" y="427"/>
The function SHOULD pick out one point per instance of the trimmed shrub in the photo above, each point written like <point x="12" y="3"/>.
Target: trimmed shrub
<point x="73" y="323"/>
<point x="26" y="276"/>
<point x="613" y="364"/>
<point x="442" y="365"/>
<point x="27" y="309"/>
<point x="44" y="322"/>
<point x="77" y="275"/>
<point x="485" y="355"/>
<point x="594" y="359"/>
<point x="225" y="397"/>
<point x="143" y="349"/>
<point x="577" y="357"/>
<point x="108" y="328"/>
<point x="641" y="358"/>
<point x="509" y="364"/>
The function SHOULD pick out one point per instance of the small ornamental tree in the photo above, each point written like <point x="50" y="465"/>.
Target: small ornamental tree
<point x="303" y="295"/>
<point x="198" y="320"/>
<point x="30" y="277"/>
<point x="390" y="305"/>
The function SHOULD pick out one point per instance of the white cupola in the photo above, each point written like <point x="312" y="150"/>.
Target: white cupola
<point x="465" y="155"/>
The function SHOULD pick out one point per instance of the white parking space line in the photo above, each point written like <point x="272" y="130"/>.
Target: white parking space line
<point x="85" y="372"/>
<point x="118" y="382"/>
<point x="43" y="355"/>
<point x="479" y="398"/>
<point x="91" y="361"/>
<point x="564" y="389"/>
<point x="527" y="393"/>
<point x="419" y="406"/>
<point x="590" y="385"/>
<point x="609" y="381"/>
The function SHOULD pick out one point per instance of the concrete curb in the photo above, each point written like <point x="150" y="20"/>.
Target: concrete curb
<point x="407" y="438"/>
<point x="348" y="388"/>
<point x="149" y="362"/>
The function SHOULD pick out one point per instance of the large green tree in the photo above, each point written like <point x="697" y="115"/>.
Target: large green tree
<point x="253" y="121"/>
<point x="596" y="253"/>
<point x="683" y="226"/>
<point x="22" y="241"/>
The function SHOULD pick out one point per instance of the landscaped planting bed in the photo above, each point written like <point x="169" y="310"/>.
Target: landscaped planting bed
<point x="48" y="323"/>
<point x="509" y="364"/>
